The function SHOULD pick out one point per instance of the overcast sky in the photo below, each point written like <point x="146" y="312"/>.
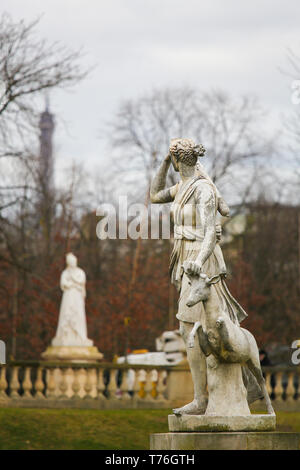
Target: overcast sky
<point x="144" y="44"/>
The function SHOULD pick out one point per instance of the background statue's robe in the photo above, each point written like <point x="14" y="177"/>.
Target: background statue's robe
<point x="72" y="328"/>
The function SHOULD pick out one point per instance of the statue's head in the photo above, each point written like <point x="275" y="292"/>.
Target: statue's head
<point x="185" y="151"/>
<point x="71" y="260"/>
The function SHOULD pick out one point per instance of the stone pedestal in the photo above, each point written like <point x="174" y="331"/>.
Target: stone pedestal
<point x="225" y="441"/>
<point x="203" y="423"/>
<point x="72" y="354"/>
<point x="202" y="432"/>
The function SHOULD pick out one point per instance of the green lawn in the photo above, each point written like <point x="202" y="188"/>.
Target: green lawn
<point x="92" y="429"/>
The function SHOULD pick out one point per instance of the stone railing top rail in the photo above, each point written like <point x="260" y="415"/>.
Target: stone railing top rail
<point x="86" y="365"/>
<point x="281" y="368"/>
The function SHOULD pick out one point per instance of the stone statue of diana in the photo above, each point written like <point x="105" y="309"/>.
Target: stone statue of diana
<point x="195" y="202"/>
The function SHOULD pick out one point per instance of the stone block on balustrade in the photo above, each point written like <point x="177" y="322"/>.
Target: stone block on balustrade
<point x="225" y="441"/>
<point x="72" y="354"/>
<point x="204" y="423"/>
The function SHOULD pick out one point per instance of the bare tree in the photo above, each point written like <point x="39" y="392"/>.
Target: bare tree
<point x="291" y="126"/>
<point x="28" y="66"/>
<point x="230" y="129"/>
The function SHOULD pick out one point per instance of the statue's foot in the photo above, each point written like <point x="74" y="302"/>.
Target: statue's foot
<point x="194" y="408"/>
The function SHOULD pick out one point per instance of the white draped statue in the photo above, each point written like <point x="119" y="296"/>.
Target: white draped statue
<point x="72" y="329"/>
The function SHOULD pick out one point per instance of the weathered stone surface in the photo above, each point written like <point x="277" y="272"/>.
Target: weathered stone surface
<point x="217" y="347"/>
<point x="225" y="441"/>
<point x="203" y="423"/>
<point x="227" y="393"/>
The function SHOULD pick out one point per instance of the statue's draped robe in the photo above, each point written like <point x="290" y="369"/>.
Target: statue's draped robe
<point x="72" y="328"/>
<point x="188" y="239"/>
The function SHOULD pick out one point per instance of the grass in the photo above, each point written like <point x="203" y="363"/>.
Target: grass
<point x="92" y="429"/>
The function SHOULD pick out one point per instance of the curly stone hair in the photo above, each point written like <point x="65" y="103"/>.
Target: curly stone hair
<point x="186" y="151"/>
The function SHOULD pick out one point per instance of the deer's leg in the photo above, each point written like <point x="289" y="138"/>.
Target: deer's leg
<point x="224" y="334"/>
<point x="203" y="341"/>
<point x="256" y="370"/>
<point x="191" y="336"/>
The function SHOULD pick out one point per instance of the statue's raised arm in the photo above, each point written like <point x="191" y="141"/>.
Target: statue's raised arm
<point x="158" y="192"/>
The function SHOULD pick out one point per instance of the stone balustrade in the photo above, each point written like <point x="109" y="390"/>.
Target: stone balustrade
<point x="106" y="385"/>
<point x="81" y="385"/>
<point x="283" y="386"/>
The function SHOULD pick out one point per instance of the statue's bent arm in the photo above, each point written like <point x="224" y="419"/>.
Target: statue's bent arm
<point x="158" y="192"/>
<point x="64" y="282"/>
<point x="206" y="210"/>
<point x="165" y="195"/>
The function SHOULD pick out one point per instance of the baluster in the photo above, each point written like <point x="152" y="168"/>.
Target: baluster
<point x="154" y="378"/>
<point x="57" y="381"/>
<point x="3" y="382"/>
<point x="82" y="377"/>
<point x="142" y="381"/>
<point x="112" y="386"/>
<point x="136" y="386"/>
<point x="76" y="383"/>
<point x="124" y="386"/>
<point x="268" y="383"/>
<point x="63" y="386"/>
<point x="278" y="390"/>
<point x="94" y="381"/>
<point x="27" y="384"/>
<point x="148" y="386"/>
<point x="100" y="385"/>
<point x="50" y="389"/>
<point x="14" y="385"/>
<point x="69" y="381"/>
<point x="39" y="384"/>
<point x="88" y="384"/>
<point x="161" y="385"/>
<point x="131" y="379"/>
<point x="290" y="391"/>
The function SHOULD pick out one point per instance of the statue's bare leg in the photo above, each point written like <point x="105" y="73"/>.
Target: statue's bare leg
<point x="197" y="363"/>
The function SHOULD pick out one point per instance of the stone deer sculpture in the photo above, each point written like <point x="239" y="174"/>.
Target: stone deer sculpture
<point x="227" y="341"/>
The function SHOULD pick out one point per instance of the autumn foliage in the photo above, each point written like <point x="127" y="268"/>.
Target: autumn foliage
<point x="262" y="275"/>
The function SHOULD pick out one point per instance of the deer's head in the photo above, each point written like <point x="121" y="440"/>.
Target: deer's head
<point x="200" y="287"/>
